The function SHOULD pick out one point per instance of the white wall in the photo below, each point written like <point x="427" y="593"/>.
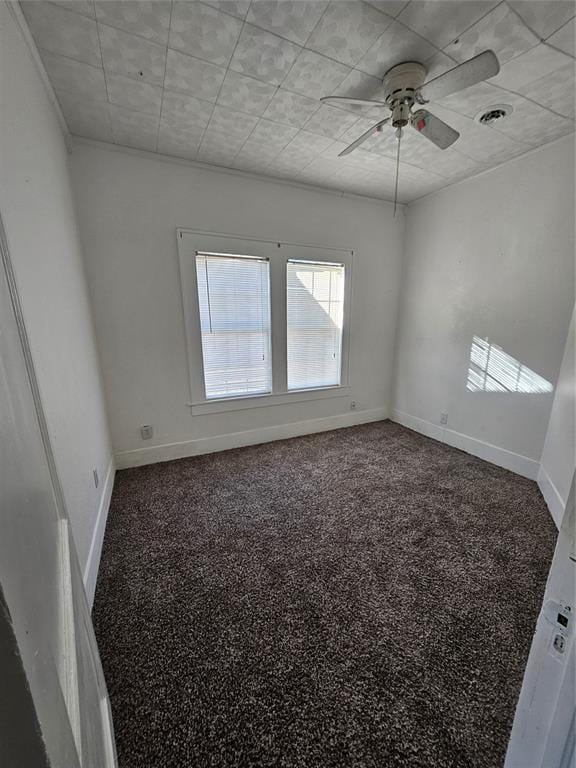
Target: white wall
<point x="558" y="461"/>
<point x="129" y="207"/>
<point x="492" y="257"/>
<point x="39" y="218"/>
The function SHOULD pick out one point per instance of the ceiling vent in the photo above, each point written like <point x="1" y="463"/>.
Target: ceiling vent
<point x="493" y="114"/>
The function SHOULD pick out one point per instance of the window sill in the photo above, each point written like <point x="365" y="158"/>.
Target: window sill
<point x="206" y="407"/>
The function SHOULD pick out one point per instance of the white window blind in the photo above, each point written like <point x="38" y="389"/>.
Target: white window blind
<point x="315" y="304"/>
<point x="234" y="303"/>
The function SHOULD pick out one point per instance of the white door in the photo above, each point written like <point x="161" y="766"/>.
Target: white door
<point x="543" y="731"/>
<point x="55" y="708"/>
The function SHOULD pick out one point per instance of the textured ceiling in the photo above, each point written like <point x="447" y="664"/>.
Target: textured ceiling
<point x="237" y="83"/>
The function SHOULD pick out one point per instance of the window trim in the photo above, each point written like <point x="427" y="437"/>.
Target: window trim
<point x="278" y="254"/>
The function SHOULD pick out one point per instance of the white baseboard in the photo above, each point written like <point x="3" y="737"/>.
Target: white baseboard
<point x="502" y="457"/>
<point x="552" y="496"/>
<point x="169" y="451"/>
<point x="93" y="561"/>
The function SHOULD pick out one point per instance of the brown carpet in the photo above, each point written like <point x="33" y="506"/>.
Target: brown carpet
<point x="364" y="597"/>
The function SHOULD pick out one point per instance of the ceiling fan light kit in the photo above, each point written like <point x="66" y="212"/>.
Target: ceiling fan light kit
<point x="404" y="87"/>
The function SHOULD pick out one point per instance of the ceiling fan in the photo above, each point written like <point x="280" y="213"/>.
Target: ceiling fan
<point x="404" y="86"/>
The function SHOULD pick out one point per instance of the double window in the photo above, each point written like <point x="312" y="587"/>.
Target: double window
<point x="263" y="318"/>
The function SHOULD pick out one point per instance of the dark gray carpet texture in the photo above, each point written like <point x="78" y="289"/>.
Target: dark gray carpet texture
<point x="360" y="598"/>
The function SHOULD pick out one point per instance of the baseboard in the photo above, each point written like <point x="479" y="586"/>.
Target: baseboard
<point x="93" y="561"/>
<point x="418" y="425"/>
<point x="169" y="451"/>
<point x="515" y="462"/>
<point x="552" y="496"/>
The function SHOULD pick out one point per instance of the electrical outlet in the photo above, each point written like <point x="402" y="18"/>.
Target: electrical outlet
<point x="96" y="479"/>
<point x="353" y="405"/>
<point x="444" y="418"/>
<point x="146" y="432"/>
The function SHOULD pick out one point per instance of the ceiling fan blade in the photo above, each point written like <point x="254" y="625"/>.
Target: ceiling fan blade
<point x="375" y="129"/>
<point x="340" y="101"/>
<point x="434" y="129"/>
<point x="473" y="71"/>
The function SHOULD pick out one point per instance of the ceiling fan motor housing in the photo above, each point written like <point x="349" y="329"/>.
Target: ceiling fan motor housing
<point x="400" y="86"/>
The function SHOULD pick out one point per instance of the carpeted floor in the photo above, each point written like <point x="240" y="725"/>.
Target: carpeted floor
<point x="359" y="598"/>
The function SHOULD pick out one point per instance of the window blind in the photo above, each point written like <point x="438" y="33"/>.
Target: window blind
<point x="315" y="304"/>
<point x="234" y="303"/>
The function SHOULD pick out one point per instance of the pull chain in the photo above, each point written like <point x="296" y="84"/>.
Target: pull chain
<point x="399" y="137"/>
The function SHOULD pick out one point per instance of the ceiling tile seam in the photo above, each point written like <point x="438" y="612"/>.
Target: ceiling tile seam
<point x="105" y="79"/>
<point x="227" y="68"/>
<point x="299" y="93"/>
<point x="315" y="27"/>
<point x="107" y="103"/>
<point x="131" y="34"/>
<point x="220" y="90"/>
<point x="482" y="172"/>
<point x="559" y="28"/>
<point x="163" y="91"/>
<point x="325" y="135"/>
<point x="64" y="55"/>
<point x="288" y="90"/>
<point x="78" y="13"/>
<point x="118" y="29"/>
<point x="462" y="31"/>
<point x="191" y="55"/>
<point x="71" y="58"/>
<point x="352" y="164"/>
<point x="515" y="13"/>
<point x="504" y="90"/>
<point x="274" y="34"/>
<point x="533" y="101"/>
<point x="491" y="128"/>
<point x="558" y="50"/>
<point x="198" y="58"/>
<point x="223" y="10"/>
<point x="300" y="128"/>
<point x="525" y="23"/>
<point x="552" y="48"/>
<point x="484" y="15"/>
<point x="528" y="27"/>
<point x="403" y="8"/>
<point x="246" y="142"/>
<point x="409" y="29"/>
<point x="87" y="63"/>
<point x="324" y="56"/>
<point x="390" y="19"/>
<point x="541" y="40"/>
<point x="257" y="123"/>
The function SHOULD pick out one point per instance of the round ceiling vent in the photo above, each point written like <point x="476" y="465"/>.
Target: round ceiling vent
<point x="493" y="114"/>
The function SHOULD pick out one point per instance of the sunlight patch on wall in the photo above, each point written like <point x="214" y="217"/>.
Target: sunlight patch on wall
<point x="492" y="370"/>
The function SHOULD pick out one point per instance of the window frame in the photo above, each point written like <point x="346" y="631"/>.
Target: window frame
<point x="278" y="254"/>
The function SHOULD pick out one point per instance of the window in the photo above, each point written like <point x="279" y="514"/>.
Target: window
<point x="314" y="318"/>
<point x="267" y="323"/>
<point x="234" y="308"/>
